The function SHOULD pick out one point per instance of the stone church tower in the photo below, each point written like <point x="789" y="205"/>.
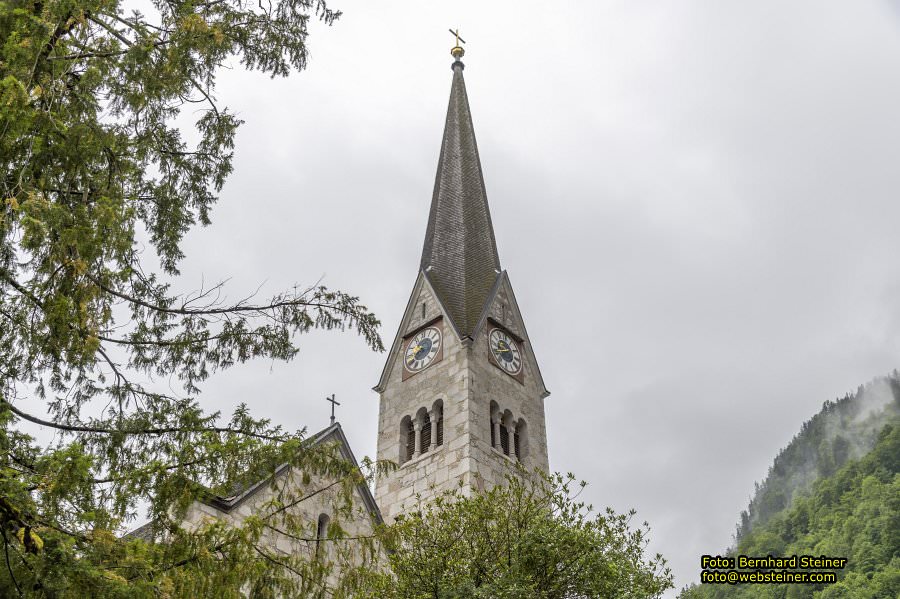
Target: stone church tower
<point x="462" y="398"/>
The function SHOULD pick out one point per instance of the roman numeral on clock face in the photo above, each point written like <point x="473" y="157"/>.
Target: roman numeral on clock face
<point x="422" y="349"/>
<point x="505" y="351"/>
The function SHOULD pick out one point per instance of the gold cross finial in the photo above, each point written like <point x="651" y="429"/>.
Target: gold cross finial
<point x="457" y="51"/>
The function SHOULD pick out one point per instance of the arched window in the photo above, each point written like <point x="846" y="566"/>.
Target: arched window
<point x="322" y="527"/>
<point x="521" y="439"/>
<point x="425" y="420"/>
<point x="505" y="429"/>
<point x="493" y="424"/>
<point x="516" y="443"/>
<point x="321" y="530"/>
<point x="438" y="411"/>
<point x="407" y="439"/>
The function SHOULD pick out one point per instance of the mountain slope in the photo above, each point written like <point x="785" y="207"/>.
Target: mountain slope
<point x="838" y="483"/>
<point x="855" y="513"/>
<point x="844" y="429"/>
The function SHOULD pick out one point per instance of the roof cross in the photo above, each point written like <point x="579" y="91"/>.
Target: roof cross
<point x="333" y="403"/>
<point x="458" y="39"/>
<point x="457" y="50"/>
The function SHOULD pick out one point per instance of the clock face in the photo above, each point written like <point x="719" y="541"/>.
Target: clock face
<point x="422" y="349"/>
<point x="505" y="351"/>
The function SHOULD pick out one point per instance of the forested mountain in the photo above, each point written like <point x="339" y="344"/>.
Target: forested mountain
<point x="833" y="491"/>
<point x="844" y="429"/>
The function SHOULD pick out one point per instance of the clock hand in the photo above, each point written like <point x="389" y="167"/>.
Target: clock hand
<point x="412" y="356"/>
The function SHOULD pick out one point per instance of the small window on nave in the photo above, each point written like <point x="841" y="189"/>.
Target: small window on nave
<point x="322" y="526"/>
<point x="321" y="530"/>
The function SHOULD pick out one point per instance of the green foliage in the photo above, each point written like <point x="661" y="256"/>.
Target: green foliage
<point x="844" y="429"/>
<point x="91" y="159"/>
<point x="529" y="538"/>
<point x="855" y="513"/>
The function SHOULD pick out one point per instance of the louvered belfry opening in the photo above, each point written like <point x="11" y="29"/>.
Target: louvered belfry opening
<point x="492" y="421"/>
<point x="407" y="440"/>
<point x="440" y="426"/>
<point x="521" y="439"/>
<point x="426" y="432"/>
<point x="410" y="441"/>
<point x="504" y="439"/>
<point x="516" y="445"/>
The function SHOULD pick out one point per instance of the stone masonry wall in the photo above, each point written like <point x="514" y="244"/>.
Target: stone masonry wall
<point x="442" y="467"/>
<point x="466" y="381"/>
<point x="489" y="383"/>
<point x="359" y="524"/>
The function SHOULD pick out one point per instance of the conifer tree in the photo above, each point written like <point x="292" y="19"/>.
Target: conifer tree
<point x="91" y="158"/>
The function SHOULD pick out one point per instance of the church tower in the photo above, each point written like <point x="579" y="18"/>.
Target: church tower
<point x="462" y="398"/>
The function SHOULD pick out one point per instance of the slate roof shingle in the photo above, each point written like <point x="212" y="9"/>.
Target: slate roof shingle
<point x="460" y="254"/>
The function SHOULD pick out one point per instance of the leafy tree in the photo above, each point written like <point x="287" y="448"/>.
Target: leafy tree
<point x="529" y="538"/>
<point x="91" y="161"/>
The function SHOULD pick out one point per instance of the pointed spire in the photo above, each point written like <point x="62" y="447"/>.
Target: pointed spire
<point x="460" y="254"/>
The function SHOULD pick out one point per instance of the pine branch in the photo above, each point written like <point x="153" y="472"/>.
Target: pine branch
<point x="139" y="431"/>
<point x="235" y="309"/>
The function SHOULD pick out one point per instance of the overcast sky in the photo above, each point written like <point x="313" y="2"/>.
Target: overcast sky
<point x="696" y="203"/>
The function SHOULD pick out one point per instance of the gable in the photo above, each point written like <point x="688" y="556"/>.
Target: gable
<point x="413" y="318"/>
<point x="503" y="309"/>
<point x="243" y="498"/>
<point x="332" y="434"/>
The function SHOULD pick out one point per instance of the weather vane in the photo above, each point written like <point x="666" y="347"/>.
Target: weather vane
<point x="333" y="403"/>
<point x="457" y="52"/>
